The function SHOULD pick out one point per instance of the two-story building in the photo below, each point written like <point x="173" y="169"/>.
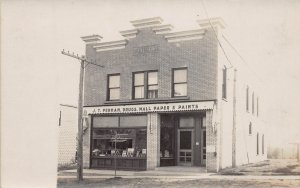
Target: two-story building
<point x="168" y="98"/>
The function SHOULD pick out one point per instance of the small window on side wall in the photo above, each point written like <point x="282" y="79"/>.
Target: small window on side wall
<point x="113" y="92"/>
<point x="179" y="87"/>
<point x="250" y="128"/>
<point x="224" y="84"/>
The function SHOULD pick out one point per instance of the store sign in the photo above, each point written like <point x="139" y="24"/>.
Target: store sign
<point x="145" y="108"/>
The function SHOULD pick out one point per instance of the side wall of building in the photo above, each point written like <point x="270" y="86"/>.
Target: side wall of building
<point x="67" y="135"/>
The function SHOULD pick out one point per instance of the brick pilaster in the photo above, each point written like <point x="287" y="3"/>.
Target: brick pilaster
<point x="211" y="143"/>
<point x="153" y="140"/>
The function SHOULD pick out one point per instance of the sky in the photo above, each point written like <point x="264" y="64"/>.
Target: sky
<point x="36" y="77"/>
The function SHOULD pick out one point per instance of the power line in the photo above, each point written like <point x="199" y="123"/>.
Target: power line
<point x="216" y="35"/>
<point x="244" y="61"/>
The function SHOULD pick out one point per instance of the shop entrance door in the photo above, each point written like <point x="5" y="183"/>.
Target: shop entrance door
<point x="185" y="147"/>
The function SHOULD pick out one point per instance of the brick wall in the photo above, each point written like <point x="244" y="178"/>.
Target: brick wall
<point x="199" y="56"/>
<point x="211" y="143"/>
<point x="153" y="141"/>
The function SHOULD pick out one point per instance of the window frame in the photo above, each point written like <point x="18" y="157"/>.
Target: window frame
<point x="145" y="84"/>
<point x="109" y="88"/>
<point x="173" y="83"/>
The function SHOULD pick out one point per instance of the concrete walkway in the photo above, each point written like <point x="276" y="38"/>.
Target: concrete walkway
<point x="164" y="173"/>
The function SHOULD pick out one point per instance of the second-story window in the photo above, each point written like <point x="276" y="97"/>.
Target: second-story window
<point x="113" y="87"/>
<point x="145" y="85"/>
<point x="179" y="82"/>
<point x="152" y="85"/>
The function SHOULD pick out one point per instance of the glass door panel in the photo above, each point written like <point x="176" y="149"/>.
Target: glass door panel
<point x="185" y="147"/>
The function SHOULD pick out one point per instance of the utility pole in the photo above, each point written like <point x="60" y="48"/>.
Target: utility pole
<point x="298" y="155"/>
<point x="83" y="63"/>
<point x="234" y="122"/>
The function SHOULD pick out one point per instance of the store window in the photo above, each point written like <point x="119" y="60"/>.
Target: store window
<point x="113" y="87"/>
<point x="179" y="82"/>
<point x="145" y="85"/>
<point x="130" y="142"/>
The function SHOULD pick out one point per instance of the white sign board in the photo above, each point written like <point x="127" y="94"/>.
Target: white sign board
<point x="145" y="108"/>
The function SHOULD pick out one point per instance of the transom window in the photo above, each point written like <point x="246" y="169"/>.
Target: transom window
<point x="145" y="85"/>
<point x="113" y="87"/>
<point x="179" y="82"/>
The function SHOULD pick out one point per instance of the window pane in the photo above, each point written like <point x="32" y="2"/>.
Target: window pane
<point x="152" y="78"/>
<point x="138" y="79"/>
<point x="186" y="122"/>
<point x="153" y="87"/>
<point x="152" y="94"/>
<point x="180" y="75"/>
<point x="139" y="92"/>
<point x="114" y="81"/>
<point x="185" y="140"/>
<point x="180" y="90"/>
<point x="114" y="94"/>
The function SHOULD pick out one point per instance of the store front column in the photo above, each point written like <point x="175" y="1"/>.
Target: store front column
<point x="153" y="140"/>
<point x="212" y="143"/>
<point x="86" y="141"/>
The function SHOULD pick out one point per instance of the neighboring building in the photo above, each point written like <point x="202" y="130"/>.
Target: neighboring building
<point x="68" y="128"/>
<point x="170" y="96"/>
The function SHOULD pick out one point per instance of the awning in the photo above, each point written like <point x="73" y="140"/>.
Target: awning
<point x="146" y="108"/>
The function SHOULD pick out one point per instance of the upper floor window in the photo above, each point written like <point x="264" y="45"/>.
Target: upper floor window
<point x="145" y="85"/>
<point x="247" y="99"/>
<point x="179" y="87"/>
<point x="113" y="87"/>
<point x="224" y="89"/>
<point x="253" y="101"/>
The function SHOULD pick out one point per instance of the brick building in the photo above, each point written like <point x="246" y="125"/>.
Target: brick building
<point x="170" y="98"/>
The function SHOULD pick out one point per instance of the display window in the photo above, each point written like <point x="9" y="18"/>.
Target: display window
<point x="121" y="142"/>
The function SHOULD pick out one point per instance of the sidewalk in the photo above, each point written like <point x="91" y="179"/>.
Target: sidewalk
<point x="163" y="174"/>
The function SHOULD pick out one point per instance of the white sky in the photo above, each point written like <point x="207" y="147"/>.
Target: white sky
<point x="36" y="78"/>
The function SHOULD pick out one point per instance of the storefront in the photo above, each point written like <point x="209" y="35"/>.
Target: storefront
<point x="136" y="140"/>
